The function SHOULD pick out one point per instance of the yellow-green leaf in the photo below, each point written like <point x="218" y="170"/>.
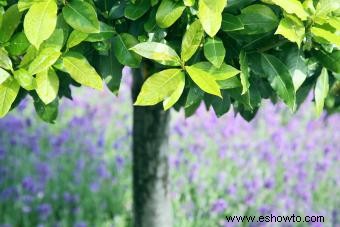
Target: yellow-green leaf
<point x="47" y="85"/>
<point x="210" y="15"/>
<point x="160" y="86"/>
<point x="204" y="79"/>
<point x="292" y="7"/>
<point x="174" y="97"/>
<point x="40" y="22"/>
<point x="192" y="40"/>
<point x="292" y="29"/>
<point x="8" y="92"/>
<point x="159" y="52"/>
<point x="321" y="91"/>
<point x="330" y="37"/>
<point x="168" y="13"/>
<point x="45" y="58"/>
<point x="24" y="79"/>
<point x="81" y="71"/>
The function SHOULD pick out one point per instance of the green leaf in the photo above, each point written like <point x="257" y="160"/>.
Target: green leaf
<point x="40" y="22"/>
<point x="192" y="40"/>
<point x="168" y="13"/>
<point x="25" y="80"/>
<point x="189" y="2"/>
<point x="47" y="113"/>
<point x="5" y="61"/>
<point x="230" y="83"/>
<point x="203" y="79"/>
<point x="47" y="85"/>
<point x="75" y="38"/>
<point x="4" y="75"/>
<point x="258" y="19"/>
<point x="81" y="16"/>
<point x="325" y="7"/>
<point x="292" y="29"/>
<point x="231" y="23"/>
<point x="330" y="37"/>
<point x="158" y="52"/>
<point x="30" y="55"/>
<point x="106" y="32"/>
<point x="210" y="15"/>
<point x="296" y="65"/>
<point x="214" y="51"/>
<point x="10" y="21"/>
<point x="244" y="72"/>
<point x="224" y="72"/>
<point x="174" y="97"/>
<point x="81" y="71"/>
<point x="221" y="106"/>
<point x="121" y="48"/>
<point x="321" y="91"/>
<point x="45" y="58"/>
<point x="56" y="40"/>
<point x="279" y="78"/>
<point x="134" y="11"/>
<point x="111" y="71"/>
<point x="330" y="61"/>
<point x="8" y="92"/>
<point x="18" y="44"/>
<point x="160" y="86"/>
<point x="292" y="7"/>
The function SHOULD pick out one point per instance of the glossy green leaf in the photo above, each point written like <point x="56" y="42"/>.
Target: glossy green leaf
<point x="81" y="71"/>
<point x="10" y="22"/>
<point x="321" y="91"/>
<point x="330" y="37"/>
<point x="203" y="79"/>
<point x="192" y="40"/>
<point x="30" y="55"/>
<point x="106" y="32"/>
<point x="244" y="72"/>
<point x="5" y="61"/>
<point x="210" y="15"/>
<point x="231" y="23"/>
<point x="168" y="13"/>
<point x="47" y="113"/>
<point x="121" y="47"/>
<point x="47" y="85"/>
<point x="292" y="29"/>
<point x="4" y="75"/>
<point x="8" y="92"/>
<point x="56" y="40"/>
<point x="24" y="79"/>
<point x="230" y="83"/>
<point x="111" y="71"/>
<point x="40" y="21"/>
<point x="325" y="7"/>
<point x="174" y="97"/>
<point x="45" y="58"/>
<point x="158" y="52"/>
<point x="160" y="86"/>
<point x="81" y="16"/>
<point x="75" y="38"/>
<point x="258" y="19"/>
<point x="134" y="11"/>
<point x="214" y="51"/>
<point x="280" y="78"/>
<point x="330" y="61"/>
<point x="18" y="44"/>
<point x="292" y="7"/>
<point x="296" y="65"/>
<point x="224" y="72"/>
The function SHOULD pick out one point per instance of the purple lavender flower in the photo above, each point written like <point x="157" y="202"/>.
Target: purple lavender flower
<point x="219" y="206"/>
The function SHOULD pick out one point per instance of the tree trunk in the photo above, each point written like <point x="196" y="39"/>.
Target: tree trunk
<point x="152" y="207"/>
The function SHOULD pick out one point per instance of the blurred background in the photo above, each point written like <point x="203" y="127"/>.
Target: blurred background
<point x="78" y="171"/>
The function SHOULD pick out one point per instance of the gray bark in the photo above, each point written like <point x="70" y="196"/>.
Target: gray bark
<point x="152" y="207"/>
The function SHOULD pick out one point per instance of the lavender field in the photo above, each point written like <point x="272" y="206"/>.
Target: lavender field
<point x="77" y="172"/>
